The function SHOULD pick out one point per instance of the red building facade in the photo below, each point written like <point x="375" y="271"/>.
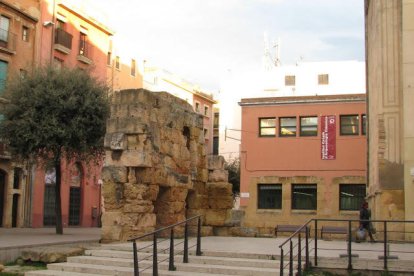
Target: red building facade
<point x="302" y="157"/>
<point x="70" y="39"/>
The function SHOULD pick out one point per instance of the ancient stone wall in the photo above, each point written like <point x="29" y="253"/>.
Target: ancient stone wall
<point x="156" y="169"/>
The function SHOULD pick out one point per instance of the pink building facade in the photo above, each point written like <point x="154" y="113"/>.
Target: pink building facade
<point x="70" y="38"/>
<point x="301" y="158"/>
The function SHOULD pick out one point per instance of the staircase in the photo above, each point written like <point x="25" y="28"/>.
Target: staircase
<point x="117" y="259"/>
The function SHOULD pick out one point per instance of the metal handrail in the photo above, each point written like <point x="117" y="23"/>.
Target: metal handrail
<point x="298" y="232"/>
<point x="154" y="234"/>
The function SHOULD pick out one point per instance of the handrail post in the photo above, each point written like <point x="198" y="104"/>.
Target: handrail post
<point x="281" y="262"/>
<point x="316" y="242"/>
<point x="349" y="245"/>
<point x="291" y="259"/>
<point x="299" y="255"/>
<point x="154" y="256"/>
<point x="136" y="269"/>
<point x="307" y="266"/>
<point x="171" y="266"/>
<point x="198" y="250"/>
<point x="185" y="257"/>
<point x="385" y="246"/>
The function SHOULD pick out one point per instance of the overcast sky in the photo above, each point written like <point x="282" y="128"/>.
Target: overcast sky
<point x="202" y="39"/>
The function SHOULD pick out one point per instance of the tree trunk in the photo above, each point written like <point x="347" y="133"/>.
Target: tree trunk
<point x="58" y="199"/>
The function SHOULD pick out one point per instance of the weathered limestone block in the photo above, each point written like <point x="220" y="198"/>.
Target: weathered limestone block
<point x="197" y="201"/>
<point x="113" y="195"/>
<point x="202" y="175"/>
<point x="135" y="191"/>
<point x="221" y="231"/>
<point x="141" y="206"/>
<point x="165" y="219"/>
<point x="216" y="162"/>
<point x="171" y="207"/>
<point x="218" y="189"/>
<point x="115" y="141"/>
<point x="243" y="231"/>
<point x="115" y="174"/>
<point x="218" y="176"/>
<point x="125" y="125"/>
<point x="173" y="194"/>
<point x="110" y="233"/>
<point x="111" y="218"/>
<point x="220" y="202"/>
<point x="215" y="217"/>
<point x="129" y="158"/>
<point x="200" y="187"/>
<point x="51" y="254"/>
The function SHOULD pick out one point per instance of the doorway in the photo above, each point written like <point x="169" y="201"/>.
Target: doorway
<point x="75" y="195"/>
<point x="2" y="195"/>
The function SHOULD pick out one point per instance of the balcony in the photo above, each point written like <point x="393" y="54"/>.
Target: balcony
<point x="85" y="52"/>
<point x="7" y="41"/>
<point x="63" y="41"/>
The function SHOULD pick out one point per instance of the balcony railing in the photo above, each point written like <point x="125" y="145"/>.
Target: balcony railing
<point x="7" y="40"/>
<point x="63" y="38"/>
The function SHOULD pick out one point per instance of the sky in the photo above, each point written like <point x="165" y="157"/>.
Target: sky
<point x="201" y="40"/>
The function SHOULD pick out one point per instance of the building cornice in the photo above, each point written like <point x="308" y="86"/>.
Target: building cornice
<point x="87" y="18"/>
<point x="303" y="100"/>
<point x="19" y="11"/>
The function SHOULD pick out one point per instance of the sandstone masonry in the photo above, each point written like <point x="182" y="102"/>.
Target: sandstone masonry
<point x="156" y="171"/>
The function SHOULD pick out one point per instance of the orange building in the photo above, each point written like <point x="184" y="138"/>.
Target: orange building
<point x="72" y="39"/>
<point x="19" y="33"/>
<point x="302" y="157"/>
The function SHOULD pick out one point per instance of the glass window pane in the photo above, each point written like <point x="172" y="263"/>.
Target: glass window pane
<point x="351" y="196"/>
<point x="308" y="126"/>
<point x="287" y="126"/>
<point x="349" y="124"/>
<point x="267" y="126"/>
<point x="269" y="196"/>
<point x="304" y="197"/>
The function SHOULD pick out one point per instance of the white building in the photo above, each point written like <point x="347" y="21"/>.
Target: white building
<point x="302" y="79"/>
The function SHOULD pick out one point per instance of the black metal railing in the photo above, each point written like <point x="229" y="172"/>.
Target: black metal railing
<point x="155" y="241"/>
<point x="388" y="230"/>
<point x="7" y="40"/>
<point x="63" y="38"/>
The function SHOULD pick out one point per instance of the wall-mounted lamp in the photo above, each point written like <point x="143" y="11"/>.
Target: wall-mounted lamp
<point x="48" y="23"/>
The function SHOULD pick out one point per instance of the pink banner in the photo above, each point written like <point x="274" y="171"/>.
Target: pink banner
<point x="328" y="137"/>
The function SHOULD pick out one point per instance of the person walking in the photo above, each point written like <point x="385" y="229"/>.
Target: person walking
<point x="365" y="216"/>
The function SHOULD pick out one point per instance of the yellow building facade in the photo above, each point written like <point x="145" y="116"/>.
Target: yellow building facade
<point x="390" y="85"/>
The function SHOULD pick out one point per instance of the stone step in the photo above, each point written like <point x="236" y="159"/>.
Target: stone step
<point x="111" y="258"/>
<point x="56" y="273"/>
<point x="189" y="267"/>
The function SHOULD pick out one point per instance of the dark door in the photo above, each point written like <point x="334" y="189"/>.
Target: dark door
<point x="15" y="209"/>
<point x="49" y="216"/>
<point x="2" y="193"/>
<point x="74" y="205"/>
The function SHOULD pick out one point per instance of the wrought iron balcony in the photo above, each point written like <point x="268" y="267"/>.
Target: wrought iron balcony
<point x="63" y="41"/>
<point x="7" y="41"/>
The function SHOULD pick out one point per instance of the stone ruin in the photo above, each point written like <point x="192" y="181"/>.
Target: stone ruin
<point x="156" y="171"/>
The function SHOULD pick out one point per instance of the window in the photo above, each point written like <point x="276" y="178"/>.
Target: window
<point x="267" y="127"/>
<point x="60" y="24"/>
<point x="323" y="79"/>
<point x="4" y="29"/>
<point x="82" y="44"/>
<point x="304" y="197"/>
<point x="287" y="126"/>
<point x="133" y="67"/>
<point x="351" y="196"/>
<point x="349" y="124"/>
<point x="269" y="196"/>
<point x="205" y="133"/>
<point x="364" y="124"/>
<point x="206" y="110"/>
<point x="117" y="63"/>
<point x="216" y="120"/>
<point x="3" y="74"/>
<point x="25" y="33"/>
<point x="197" y="107"/>
<point x="309" y="126"/>
<point x="290" y="80"/>
<point x="109" y="58"/>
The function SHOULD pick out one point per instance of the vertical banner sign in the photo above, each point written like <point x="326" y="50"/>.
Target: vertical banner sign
<point x="328" y="137"/>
